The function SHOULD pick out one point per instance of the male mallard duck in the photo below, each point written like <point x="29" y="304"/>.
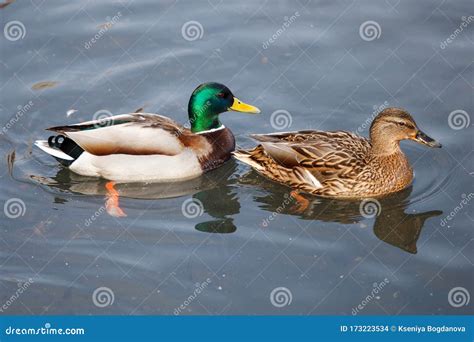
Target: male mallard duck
<point x="141" y="147"/>
<point x="340" y="164"/>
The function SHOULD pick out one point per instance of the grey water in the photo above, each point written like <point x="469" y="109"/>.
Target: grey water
<point x="232" y="242"/>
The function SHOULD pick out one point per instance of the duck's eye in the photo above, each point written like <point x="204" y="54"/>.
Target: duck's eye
<point x="401" y="123"/>
<point x="220" y="95"/>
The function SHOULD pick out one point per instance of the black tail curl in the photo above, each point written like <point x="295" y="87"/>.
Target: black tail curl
<point x="66" y="145"/>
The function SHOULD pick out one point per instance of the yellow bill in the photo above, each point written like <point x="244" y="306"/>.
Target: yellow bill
<point x="240" y="106"/>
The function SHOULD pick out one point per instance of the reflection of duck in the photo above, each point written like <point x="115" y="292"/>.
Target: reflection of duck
<point x="392" y="225"/>
<point x="340" y="164"/>
<point x="402" y="230"/>
<point x="218" y="202"/>
<point x="217" y="197"/>
<point x="67" y="181"/>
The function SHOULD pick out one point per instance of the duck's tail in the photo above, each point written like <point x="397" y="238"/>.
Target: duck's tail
<point x="296" y="176"/>
<point x="63" y="149"/>
<point x="247" y="157"/>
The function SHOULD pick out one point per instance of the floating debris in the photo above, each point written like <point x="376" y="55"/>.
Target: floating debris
<point x="11" y="161"/>
<point x="70" y="112"/>
<point x="6" y="3"/>
<point x="104" y="26"/>
<point x="44" y="85"/>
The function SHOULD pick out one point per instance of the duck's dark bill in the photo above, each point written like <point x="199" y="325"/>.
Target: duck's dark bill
<point x="240" y="106"/>
<point x="424" y="139"/>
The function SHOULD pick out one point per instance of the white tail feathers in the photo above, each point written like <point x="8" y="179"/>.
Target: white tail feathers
<point x="309" y="177"/>
<point x="43" y="145"/>
<point x="247" y="159"/>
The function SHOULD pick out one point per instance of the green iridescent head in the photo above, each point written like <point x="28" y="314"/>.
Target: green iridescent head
<point x="208" y="101"/>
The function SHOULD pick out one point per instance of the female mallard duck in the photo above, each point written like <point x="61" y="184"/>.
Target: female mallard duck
<point x="142" y="147"/>
<point x="340" y="164"/>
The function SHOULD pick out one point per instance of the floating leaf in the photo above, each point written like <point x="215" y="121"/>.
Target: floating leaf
<point x="6" y="3"/>
<point x="44" y="85"/>
<point x="70" y="112"/>
<point x="11" y="161"/>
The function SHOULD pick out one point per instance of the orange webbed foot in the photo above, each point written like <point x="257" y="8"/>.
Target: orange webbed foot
<point x="301" y="202"/>
<point x="112" y="204"/>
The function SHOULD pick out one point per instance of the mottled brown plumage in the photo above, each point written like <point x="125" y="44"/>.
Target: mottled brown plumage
<point x="340" y="164"/>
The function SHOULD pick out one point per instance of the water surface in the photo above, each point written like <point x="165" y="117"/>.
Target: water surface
<point x="247" y="235"/>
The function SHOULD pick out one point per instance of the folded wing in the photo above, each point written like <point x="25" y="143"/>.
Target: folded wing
<point x="325" y="154"/>
<point x="136" y="134"/>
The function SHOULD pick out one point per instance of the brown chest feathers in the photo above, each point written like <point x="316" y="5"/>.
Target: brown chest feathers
<point x="222" y="143"/>
<point x="381" y="175"/>
<point x="384" y="174"/>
